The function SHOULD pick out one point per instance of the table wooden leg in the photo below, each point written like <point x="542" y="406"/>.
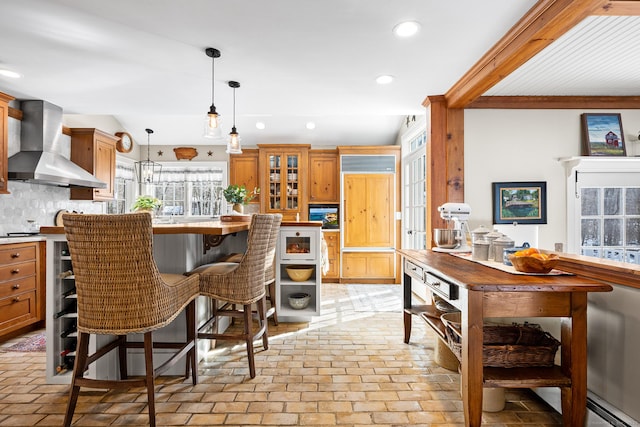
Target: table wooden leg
<point x="472" y="374"/>
<point x="574" y="361"/>
<point x="407" y="327"/>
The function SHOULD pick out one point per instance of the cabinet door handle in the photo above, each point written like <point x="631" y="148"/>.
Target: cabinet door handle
<point x="297" y="234"/>
<point x="16" y="299"/>
<point x="16" y="286"/>
<point x="15" y="271"/>
<point x="15" y="255"/>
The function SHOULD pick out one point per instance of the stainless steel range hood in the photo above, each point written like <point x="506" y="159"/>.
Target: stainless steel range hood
<point x="39" y="160"/>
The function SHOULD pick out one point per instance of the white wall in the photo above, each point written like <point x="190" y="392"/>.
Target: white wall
<point x="525" y="145"/>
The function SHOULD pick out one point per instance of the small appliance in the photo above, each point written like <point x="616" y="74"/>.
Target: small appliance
<point x="459" y="214"/>
<point x="328" y="214"/>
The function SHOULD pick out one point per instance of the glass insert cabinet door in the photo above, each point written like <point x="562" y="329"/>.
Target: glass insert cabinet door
<point x="284" y="183"/>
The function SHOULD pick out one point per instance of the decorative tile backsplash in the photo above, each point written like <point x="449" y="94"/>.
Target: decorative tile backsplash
<point x="39" y="203"/>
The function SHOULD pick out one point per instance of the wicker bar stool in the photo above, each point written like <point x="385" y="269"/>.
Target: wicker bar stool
<point x="270" y="273"/>
<point x="120" y="292"/>
<point x="230" y="285"/>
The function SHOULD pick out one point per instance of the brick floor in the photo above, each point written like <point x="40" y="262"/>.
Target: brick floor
<point x="345" y="368"/>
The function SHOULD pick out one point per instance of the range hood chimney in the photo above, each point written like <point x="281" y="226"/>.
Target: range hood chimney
<point x="39" y="160"/>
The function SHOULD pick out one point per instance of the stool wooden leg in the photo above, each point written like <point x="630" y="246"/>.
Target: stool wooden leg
<point x="272" y="299"/>
<point x="148" y="361"/>
<point x="248" y="322"/>
<point x="192" y="356"/>
<point x="79" y="367"/>
<point x="263" y="321"/>
<point x="122" y="357"/>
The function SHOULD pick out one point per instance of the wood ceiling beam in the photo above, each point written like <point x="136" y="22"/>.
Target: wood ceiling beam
<point x="619" y="8"/>
<point x="545" y="22"/>
<point x="557" y="102"/>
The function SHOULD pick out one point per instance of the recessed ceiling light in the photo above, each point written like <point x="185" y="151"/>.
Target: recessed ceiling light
<point x="9" y="73"/>
<point x="260" y="125"/>
<point x="384" y="80"/>
<point x="406" y="29"/>
<point x="311" y="125"/>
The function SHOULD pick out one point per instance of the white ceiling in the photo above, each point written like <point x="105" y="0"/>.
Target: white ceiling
<point x="598" y="57"/>
<point x="143" y="62"/>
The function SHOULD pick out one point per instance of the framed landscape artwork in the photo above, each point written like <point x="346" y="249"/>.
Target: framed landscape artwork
<point x="602" y="135"/>
<point x="519" y="202"/>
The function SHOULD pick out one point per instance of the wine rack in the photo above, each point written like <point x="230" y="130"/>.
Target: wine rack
<point x="62" y="313"/>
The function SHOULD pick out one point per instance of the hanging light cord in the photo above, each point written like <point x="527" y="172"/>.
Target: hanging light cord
<point x="234" y="107"/>
<point x="213" y="61"/>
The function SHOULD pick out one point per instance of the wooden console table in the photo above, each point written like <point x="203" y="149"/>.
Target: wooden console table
<point x="482" y="292"/>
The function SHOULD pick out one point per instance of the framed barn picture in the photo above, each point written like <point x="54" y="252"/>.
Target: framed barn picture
<point x="519" y="202"/>
<point x="602" y="135"/>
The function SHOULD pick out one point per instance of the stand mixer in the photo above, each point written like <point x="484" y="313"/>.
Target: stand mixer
<point x="459" y="214"/>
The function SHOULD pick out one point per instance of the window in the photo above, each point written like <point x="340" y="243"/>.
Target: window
<point x="191" y="192"/>
<point x="184" y="192"/>
<point x="124" y="186"/>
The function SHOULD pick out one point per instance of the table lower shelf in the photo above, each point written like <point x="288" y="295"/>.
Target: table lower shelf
<point x="499" y="377"/>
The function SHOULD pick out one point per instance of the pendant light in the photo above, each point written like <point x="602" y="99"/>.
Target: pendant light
<point x="212" y="121"/>
<point x="147" y="171"/>
<point x="233" y="146"/>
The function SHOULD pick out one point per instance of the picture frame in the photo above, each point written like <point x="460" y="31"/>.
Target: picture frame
<point x="602" y="135"/>
<point x="519" y="202"/>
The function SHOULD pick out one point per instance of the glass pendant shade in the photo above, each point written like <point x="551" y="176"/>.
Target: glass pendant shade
<point x="233" y="146"/>
<point x="212" y="121"/>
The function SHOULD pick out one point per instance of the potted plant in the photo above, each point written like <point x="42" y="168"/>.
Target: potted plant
<point x="146" y="203"/>
<point x="238" y="196"/>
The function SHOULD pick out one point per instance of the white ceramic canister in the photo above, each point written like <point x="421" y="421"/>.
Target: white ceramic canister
<point x="491" y="236"/>
<point x="480" y="249"/>
<point x="499" y="245"/>
<point x="479" y="233"/>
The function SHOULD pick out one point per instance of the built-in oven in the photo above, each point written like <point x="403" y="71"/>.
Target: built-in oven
<point x="327" y="213"/>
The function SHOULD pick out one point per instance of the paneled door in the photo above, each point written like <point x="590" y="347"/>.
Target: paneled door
<point x="414" y="199"/>
<point x="369" y="210"/>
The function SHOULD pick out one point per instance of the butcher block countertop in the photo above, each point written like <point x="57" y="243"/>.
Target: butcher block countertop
<point x="476" y="277"/>
<point x="217" y="228"/>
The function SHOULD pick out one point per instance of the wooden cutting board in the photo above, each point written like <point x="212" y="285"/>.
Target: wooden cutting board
<point x="235" y="218"/>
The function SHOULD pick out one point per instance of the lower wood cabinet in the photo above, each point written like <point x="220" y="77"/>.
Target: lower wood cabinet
<point x="332" y="239"/>
<point x="21" y="284"/>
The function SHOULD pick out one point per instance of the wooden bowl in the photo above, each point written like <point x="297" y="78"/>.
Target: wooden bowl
<point x="529" y="264"/>
<point x="299" y="273"/>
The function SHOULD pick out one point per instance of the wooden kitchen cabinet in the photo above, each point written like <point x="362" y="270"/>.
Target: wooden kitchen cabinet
<point x="283" y="180"/>
<point x="94" y="151"/>
<point x="21" y="287"/>
<point x="243" y="170"/>
<point x="323" y="176"/>
<point x="366" y="265"/>
<point x="4" y="140"/>
<point x="332" y="239"/>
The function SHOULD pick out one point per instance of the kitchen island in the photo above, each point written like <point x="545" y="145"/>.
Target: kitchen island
<point x="177" y="248"/>
<point x="481" y="292"/>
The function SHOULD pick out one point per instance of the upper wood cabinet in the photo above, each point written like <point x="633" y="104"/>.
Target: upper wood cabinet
<point x="323" y="176"/>
<point x="94" y="151"/>
<point x="243" y="170"/>
<point x="283" y="179"/>
<point x="4" y="140"/>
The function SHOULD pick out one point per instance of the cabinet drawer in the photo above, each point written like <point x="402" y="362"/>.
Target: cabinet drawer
<point x="17" y="254"/>
<point x="332" y="239"/>
<point x="15" y="287"/>
<point x="18" y="309"/>
<point x="17" y="271"/>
